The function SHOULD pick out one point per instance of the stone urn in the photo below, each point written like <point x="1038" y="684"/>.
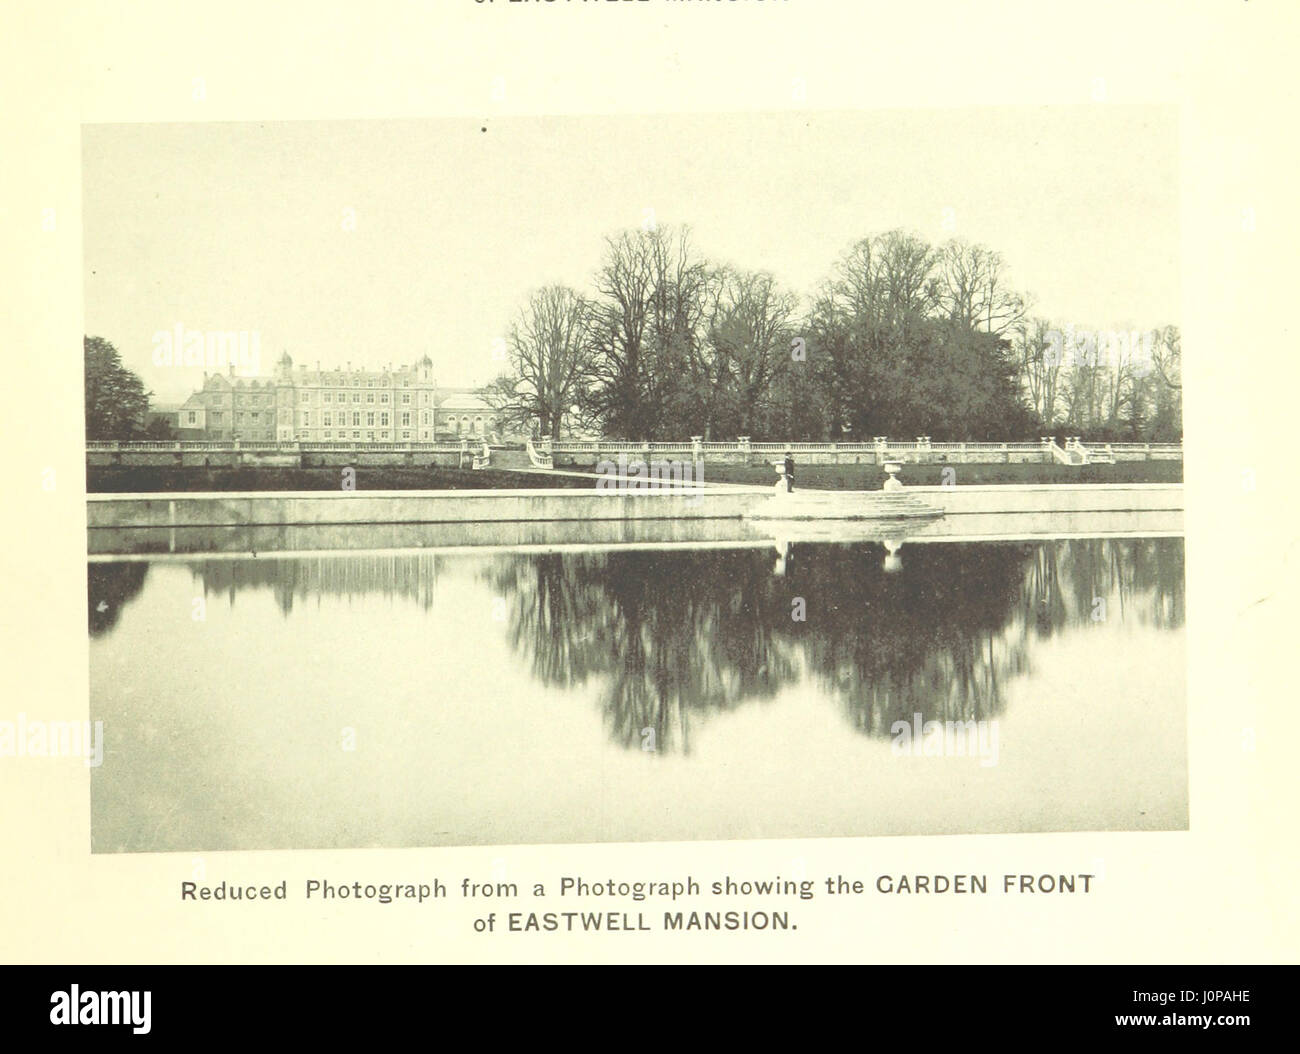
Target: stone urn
<point x="893" y="468"/>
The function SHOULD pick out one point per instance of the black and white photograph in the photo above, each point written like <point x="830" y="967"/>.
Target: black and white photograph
<point x="634" y="478"/>
<point x="647" y="482"/>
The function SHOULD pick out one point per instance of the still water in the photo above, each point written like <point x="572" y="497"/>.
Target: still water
<point x="624" y="694"/>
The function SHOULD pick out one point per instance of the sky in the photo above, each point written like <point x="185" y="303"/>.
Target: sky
<point x="376" y="242"/>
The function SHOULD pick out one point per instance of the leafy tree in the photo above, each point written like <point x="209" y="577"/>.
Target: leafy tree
<point x="159" y="429"/>
<point x="116" y="399"/>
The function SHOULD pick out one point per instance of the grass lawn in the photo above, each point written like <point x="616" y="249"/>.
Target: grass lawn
<point x="126" y="479"/>
<point x="135" y="479"/>
<point x="872" y="477"/>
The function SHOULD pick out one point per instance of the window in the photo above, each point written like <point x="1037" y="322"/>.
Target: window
<point x="370" y="436"/>
<point x="216" y="417"/>
<point x="356" y="435"/>
<point x="193" y="417"/>
<point x="252" y="418"/>
<point x="370" y="383"/>
<point x="424" y="398"/>
<point x="406" y="420"/>
<point x="356" y="397"/>
<point x="383" y="420"/>
<point x="356" y="419"/>
<point x="383" y="398"/>
<point x="406" y="398"/>
<point x="306" y="397"/>
<point x="327" y="396"/>
<point x="306" y="418"/>
<point x="406" y="435"/>
<point x="327" y="433"/>
<point x="370" y="398"/>
<point x="425" y="418"/>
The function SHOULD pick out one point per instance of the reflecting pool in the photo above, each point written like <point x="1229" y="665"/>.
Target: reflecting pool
<point x="624" y="693"/>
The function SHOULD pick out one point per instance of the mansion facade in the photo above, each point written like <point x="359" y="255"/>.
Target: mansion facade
<point x="392" y="405"/>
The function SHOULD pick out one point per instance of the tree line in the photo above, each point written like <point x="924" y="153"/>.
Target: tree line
<point x="902" y="338"/>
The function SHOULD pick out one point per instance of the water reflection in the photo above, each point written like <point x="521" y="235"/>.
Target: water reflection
<point x="110" y="588"/>
<point x="555" y="671"/>
<point x="671" y="634"/>
<point x="674" y="634"/>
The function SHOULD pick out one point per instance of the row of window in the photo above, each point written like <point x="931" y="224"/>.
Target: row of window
<point x="326" y="419"/>
<point x="342" y="397"/>
<point x="404" y="419"/>
<point x="341" y="433"/>
<point x="370" y="436"/>
<point x="356" y="381"/>
<point x="463" y="425"/>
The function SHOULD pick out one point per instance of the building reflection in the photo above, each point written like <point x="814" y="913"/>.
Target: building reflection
<point x="297" y="580"/>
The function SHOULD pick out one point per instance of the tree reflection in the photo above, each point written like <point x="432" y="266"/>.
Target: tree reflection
<point x="109" y="586"/>
<point x="670" y="637"/>
<point x="676" y="635"/>
<point x="927" y="641"/>
<point x="668" y="633"/>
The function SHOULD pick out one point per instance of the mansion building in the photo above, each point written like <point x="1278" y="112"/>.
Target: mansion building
<point x="392" y="405"/>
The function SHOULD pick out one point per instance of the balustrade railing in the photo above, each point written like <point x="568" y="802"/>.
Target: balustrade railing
<point x="545" y="447"/>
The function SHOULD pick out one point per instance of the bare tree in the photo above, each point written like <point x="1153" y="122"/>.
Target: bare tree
<point x="1167" y="356"/>
<point x="549" y="357"/>
<point x="973" y="291"/>
<point x="647" y="322"/>
<point x="886" y="281"/>
<point x="1039" y="363"/>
